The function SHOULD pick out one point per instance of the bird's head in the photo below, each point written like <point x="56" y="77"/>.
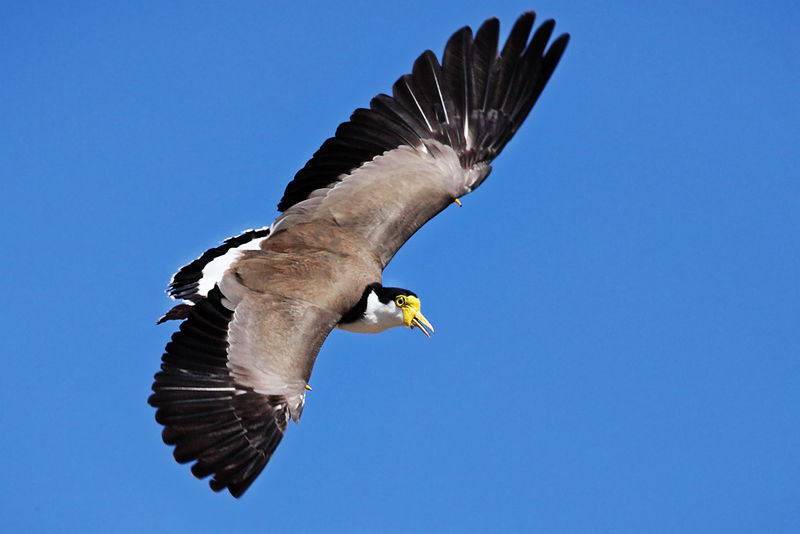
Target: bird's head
<point x="386" y="307"/>
<point x="409" y="305"/>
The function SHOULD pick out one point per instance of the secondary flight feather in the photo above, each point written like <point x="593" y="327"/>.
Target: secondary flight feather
<point x="257" y="308"/>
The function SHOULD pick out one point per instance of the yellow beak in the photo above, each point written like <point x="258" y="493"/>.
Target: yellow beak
<point x="413" y="317"/>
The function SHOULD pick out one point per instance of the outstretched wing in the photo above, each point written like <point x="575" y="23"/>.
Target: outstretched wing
<point x="233" y="376"/>
<point x="394" y="166"/>
<point x="237" y="370"/>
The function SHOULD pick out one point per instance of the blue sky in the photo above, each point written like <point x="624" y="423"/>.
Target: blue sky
<point x="616" y="308"/>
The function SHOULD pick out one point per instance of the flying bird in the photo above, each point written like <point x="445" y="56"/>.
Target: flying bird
<point x="257" y="308"/>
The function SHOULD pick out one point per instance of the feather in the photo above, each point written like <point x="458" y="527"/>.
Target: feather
<point x="473" y="102"/>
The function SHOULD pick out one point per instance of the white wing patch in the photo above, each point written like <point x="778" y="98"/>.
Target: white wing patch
<point x="213" y="271"/>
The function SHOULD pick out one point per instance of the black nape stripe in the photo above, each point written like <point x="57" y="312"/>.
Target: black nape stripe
<point x="473" y="90"/>
<point x="358" y="310"/>
<point x="186" y="281"/>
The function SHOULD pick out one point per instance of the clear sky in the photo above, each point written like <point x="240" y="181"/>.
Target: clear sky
<point x="616" y="308"/>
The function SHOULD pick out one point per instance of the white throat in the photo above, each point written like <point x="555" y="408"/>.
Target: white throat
<point x="377" y="317"/>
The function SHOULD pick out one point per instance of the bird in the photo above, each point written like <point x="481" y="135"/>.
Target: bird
<point x="256" y="309"/>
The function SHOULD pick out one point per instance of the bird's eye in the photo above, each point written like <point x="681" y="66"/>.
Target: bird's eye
<point x="400" y="301"/>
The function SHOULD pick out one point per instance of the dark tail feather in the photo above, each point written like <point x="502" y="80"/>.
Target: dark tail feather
<point x="185" y="282"/>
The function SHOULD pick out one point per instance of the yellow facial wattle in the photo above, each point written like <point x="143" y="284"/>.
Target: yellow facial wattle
<point x="411" y="315"/>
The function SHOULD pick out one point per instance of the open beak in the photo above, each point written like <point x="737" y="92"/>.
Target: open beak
<point x="421" y="322"/>
<point x="413" y="317"/>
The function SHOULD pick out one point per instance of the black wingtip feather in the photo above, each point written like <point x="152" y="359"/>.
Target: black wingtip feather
<point x="474" y="101"/>
<point x="228" y="430"/>
<point x="519" y="35"/>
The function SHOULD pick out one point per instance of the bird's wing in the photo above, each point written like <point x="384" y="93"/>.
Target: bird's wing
<point x="236" y="371"/>
<point x="394" y="166"/>
<point x="193" y="281"/>
<point x="234" y="374"/>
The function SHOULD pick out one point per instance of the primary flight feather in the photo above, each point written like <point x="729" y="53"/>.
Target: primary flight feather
<point x="257" y="308"/>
